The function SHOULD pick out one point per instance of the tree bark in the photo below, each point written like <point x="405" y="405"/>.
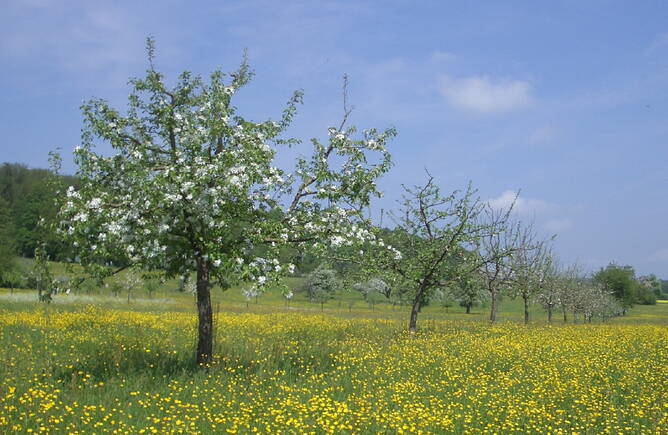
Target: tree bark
<point x="468" y="308"/>
<point x="417" y="304"/>
<point x="565" y="316"/>
<point x="549" y="313"/>
<point x="526" y="309"/>
<point x="492" y="313"/>
<point x="205" y="315"/>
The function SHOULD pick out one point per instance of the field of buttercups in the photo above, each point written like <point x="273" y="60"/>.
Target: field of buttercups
<point x="104" y="370"/>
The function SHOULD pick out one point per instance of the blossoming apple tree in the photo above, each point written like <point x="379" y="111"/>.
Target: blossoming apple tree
<point x="192" y="185"/>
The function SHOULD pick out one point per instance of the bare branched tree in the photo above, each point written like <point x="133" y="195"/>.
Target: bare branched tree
<point x="495" y="249"/>
<point x="530" y="264"/>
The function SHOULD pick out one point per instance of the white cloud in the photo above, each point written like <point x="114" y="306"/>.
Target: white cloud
<point x="558" y="225"/>
<point x="91" y="44"/>
<point x="486" y="95"/>
<point x="523" y="206"/>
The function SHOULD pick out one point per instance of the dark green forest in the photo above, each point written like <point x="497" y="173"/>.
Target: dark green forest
<point x="26" y="196"/>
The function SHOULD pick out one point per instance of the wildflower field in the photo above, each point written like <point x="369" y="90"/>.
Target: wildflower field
<point x="98" y="369"/>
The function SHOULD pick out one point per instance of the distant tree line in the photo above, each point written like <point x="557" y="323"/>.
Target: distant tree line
<point x="26" y="197"/>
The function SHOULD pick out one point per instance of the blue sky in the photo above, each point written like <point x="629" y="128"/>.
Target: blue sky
<point x="565" y="100"/>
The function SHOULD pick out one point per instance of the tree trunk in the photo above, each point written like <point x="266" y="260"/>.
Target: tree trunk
<point x="205" y="315"/>
<point x="492" y="313"/>
<point x="468" y="308"/>
<point x="549" y="313"/>
<point x="417" y="304"/>
<point x="526" y="309"/>
<point x="565" y="316"/>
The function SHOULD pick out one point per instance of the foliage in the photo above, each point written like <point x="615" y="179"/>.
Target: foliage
<point x="468" y="291"/>
<point x="7" y="244"/>
<point x="649" y="289"/>
<point x="322" y="284"/>
<point x="373" y="286"/>
<point x="131" y="281"/>
<point x="652" y="283"/>
<point x="27" y="196"/>
<point x="553" y="293"/>
<point x="152" y="284"/>
<point x="374" y="291"/>
<point x="251" y="292"/>
<point x="41" y="277"/>
<point x="531" y="265"/>
<point x="645" y="295"/>
<point x="620" y="282"/>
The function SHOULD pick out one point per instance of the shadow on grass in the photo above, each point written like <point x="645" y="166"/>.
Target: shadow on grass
<point x="104" y="364"/>
<point x="107" y="365"/>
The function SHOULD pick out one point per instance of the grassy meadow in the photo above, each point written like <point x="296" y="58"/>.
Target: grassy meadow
<point x="94" y="363"/>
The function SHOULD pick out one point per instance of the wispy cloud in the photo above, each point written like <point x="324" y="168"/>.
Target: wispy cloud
<point x="533" y="208"/>
<point x="484" y="94"/>
<point x="92" y="43"/>
<point x="521" y="206"/>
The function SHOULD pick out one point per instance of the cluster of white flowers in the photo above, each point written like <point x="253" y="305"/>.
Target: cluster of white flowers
<point x="337" y="241"/>
<point x="80" y="217"/>
<point x="72" y="193"/>
<point x="95" y="203"/>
